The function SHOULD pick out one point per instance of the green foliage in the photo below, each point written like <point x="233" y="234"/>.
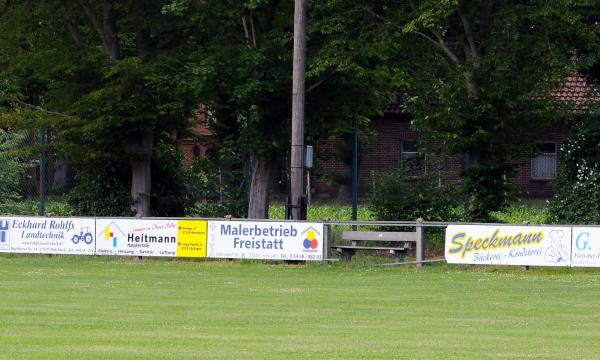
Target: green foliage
<point x="398" y="196"/>
<point x="480" y="77"/>
<point x="242" y="72"/>
<point x="58" y="72"/>
<point x="488" y="189"/>
<point x="578" y="196"/>
<point x="517" y="213"/>
<point x="325" y="211"/>
<point x="11" y="167"/>
<point x="177" y="189"/>
<point x="54" y="206"/>
<point x="212" y="196"/>
<point x="103" y="192"/>
<point x="172" y="182"/>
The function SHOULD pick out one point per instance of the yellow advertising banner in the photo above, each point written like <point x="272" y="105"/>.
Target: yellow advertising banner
<point x="191" y="238"/>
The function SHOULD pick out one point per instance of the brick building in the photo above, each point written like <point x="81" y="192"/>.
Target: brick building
<point x="199" y="142"/>
<point x="394" y="141"/>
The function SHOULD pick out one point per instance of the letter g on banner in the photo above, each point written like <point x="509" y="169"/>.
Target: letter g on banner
<point x="582" y="243"/>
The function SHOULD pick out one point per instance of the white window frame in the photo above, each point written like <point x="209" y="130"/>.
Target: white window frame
<point x="405" y="155"/>
<point x="537" y="156"/>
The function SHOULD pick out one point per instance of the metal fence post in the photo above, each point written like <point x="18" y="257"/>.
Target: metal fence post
<point x="326" y="247"/>
<point x="421" y="243"/>
<point x="42" y="179"/>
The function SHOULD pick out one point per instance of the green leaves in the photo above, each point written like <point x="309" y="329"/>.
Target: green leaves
<point x="578" y="197"/>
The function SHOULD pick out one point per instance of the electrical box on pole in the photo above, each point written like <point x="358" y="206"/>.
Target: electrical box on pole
<point x="309" y="157"/>
<point x="308" y="163"/>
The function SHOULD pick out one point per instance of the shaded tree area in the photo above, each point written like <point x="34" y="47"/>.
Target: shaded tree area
<point x="578" y="193"/>
<point x="481" y="74"/>
<point x="243" y="76"/>
<point x="114" y="81"/>
<point x="106" y="78"/>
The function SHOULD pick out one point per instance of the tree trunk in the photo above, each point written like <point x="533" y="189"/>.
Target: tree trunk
<point x="140" y="187"/>
<point x="262" y="173"/>
<point x="109" y="23"/>
<point x="139" y="150"/>
<point x="142" y="34"/>
<point x="473" y="89"/>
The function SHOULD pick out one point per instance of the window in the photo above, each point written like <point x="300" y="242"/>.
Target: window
<point x="543" y="161"/>
<point x="196" y="151"/>
<point x="412" y="158"/>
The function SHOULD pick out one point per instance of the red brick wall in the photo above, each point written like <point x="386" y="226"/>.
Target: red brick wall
<point x="201" y="138"/>
<point x="383" y="154"/>
<point x="522" y="178"/>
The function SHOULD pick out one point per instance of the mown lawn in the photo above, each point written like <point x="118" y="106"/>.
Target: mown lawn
<point x="105" y="308"/>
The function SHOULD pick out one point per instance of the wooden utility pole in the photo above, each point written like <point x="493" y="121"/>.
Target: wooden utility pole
<point x="298" y="98"/>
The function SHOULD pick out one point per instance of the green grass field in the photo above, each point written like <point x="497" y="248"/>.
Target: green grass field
<point x="105" y="308"/>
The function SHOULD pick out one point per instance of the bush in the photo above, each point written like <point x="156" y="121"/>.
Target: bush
<point x="578" y="196"/>
<point x="54" y="206"/>
<point x="172" y="188"/>
<point x="399" y="196"/>
<point x="519" y="212"/>
<point x="213" y="196"/>
<point x="12" y="166"/>
<point x="104" y="192"/>
<point x="487" y="191"/>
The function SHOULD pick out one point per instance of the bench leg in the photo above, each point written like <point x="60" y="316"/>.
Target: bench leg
<point x="346" y="254"/>
<point x="400" y="255"/>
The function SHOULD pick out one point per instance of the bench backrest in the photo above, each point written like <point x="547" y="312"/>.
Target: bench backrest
<point x="379" y="236"/>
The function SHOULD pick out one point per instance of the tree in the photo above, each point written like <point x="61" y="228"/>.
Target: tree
<point x="243" y="76"/>
<point x="481" y="73"/>
<point x="105" y="75"/>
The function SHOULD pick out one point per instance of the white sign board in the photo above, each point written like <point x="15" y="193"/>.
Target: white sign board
<point x="585" y="247"/>
<point x="47" y="235"/>
<point x="134" y="237"/>
<point x="508" y="245"/>
<point x="265" y="240"/>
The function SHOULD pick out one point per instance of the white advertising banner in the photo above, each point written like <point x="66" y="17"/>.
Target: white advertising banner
<point x="47" y="235"/>
<point x="141" y="237"/>
<point x="585" y="247"/>
<point x="265" y="240"/>
<point x="508" y="245"/>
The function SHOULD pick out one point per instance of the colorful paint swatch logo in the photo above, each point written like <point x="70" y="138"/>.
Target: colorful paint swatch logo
<point x="110" y="232"/>
<point x="109" y="235"/>
<point x="310" y="241"/>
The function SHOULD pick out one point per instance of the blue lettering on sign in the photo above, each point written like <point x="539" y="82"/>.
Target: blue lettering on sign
<point x="4" y="231"/>
<point x="582" y="243"/>
<point x="256" y="230"/>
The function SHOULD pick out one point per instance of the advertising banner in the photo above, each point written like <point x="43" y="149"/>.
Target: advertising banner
<point x="47" y="235"/>
<point x="265" y="240"/>
<point x="585" y="247"/>
<point x="141" y="237"/>
<point x="508" y="245"/>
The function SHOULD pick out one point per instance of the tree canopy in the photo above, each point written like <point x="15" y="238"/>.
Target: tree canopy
<point x="481" y="75"/>
<point x="115" y="81"/>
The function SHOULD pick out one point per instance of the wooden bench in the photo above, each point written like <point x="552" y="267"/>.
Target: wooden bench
<point x="401" y="243"/>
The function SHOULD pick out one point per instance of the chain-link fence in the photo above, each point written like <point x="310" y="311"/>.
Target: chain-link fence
<point x="29" y="171"/>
